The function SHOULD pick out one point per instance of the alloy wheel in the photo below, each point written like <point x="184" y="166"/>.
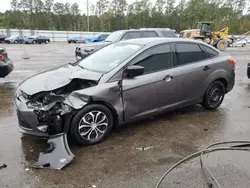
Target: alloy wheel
<point x="93" y="125"/>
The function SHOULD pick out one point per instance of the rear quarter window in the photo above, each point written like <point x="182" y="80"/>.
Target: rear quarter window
<point x="147" y="34"/>
<point x="169" y="34"/>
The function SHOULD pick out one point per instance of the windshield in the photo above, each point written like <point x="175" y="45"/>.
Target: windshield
<point x="113" y="37"/>
<point x="107" y="58"/>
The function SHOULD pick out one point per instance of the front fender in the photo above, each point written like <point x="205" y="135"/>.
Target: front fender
<point x="109" y="93"/>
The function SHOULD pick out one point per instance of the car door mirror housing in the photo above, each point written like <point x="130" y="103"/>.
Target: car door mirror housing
<point x="133" y="71"/>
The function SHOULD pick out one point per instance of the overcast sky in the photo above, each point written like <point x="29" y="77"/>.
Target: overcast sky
<point x="5" y="4"/>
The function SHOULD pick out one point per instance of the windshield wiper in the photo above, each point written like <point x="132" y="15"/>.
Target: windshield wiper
<point x="80" y="66"/>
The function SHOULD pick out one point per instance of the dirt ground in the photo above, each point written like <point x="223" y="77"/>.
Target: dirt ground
<point x="118" y="161"/>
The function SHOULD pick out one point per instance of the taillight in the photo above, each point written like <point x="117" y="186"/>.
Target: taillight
<point x="1" y="57"/>
<point x="232" y="61"/>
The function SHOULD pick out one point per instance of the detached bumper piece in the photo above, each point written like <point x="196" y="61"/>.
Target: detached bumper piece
<point x="58" y="155"/>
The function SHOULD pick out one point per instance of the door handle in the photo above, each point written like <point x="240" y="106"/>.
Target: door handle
<point x="168" y="78"/>
<point x="206" y="68"/>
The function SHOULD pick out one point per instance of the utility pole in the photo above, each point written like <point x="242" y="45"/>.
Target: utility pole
<point x="88" y="13"/>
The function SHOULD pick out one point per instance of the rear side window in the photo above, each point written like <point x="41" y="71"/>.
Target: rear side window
<point x="188" y="53"/>
<point x="156" y="59"/>
<point x="210" y="52"/>
<point x="169" y="34"/>
<point x="147" y="34"/>
<point x="131" y="35"/>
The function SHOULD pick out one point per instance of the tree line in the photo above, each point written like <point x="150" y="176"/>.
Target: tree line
<point x="114" y="15"/>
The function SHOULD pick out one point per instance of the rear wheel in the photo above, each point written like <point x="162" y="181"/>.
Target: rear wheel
<point x="91" y="124"/>
<point x="222" y="45"/>
<point x="244" y="44"/>
<point x="15" y="42"/>
<point x="214" y="96"/>
<point x="34" y="42"/>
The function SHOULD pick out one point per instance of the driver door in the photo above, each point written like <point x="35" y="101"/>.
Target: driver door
<point x="152" y="91"/>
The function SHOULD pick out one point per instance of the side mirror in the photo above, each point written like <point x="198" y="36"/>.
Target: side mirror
<point x="133" y="71"/>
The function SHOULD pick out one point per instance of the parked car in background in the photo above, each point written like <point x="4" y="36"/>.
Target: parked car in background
<point x="37" y="39"/>
<point x="98" y="38"/>
<point x="240" y="43"/>
<point x="6" y="65"/>
<point x="15" y="39"/>
<point x="86" y="49"/>
<point x="78" y="39"/>
<point x="2" y="38"/>
<point x="123" y="82"/>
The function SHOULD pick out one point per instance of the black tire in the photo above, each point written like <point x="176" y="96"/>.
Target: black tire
<point x="214" y="96"/>
<point x="69" y="42"/>
<point x="75" y="124"/>
<point x="34" y="42"/>
<point x="243" y="45"/>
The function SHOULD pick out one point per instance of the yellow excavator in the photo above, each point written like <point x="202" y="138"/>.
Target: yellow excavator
<point x="203" y="32"/>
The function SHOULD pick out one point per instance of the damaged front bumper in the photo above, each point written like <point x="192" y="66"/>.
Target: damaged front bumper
<point x="59" y="153"/>
<point x="41" y="121"/>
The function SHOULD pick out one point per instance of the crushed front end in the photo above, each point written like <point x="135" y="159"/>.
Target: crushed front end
<point x="45" y="113"/>
<point x="42" y="114"/>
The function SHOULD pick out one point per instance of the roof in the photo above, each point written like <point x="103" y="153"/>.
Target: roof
<point x="158" y="40"/>
<point x="148" y="29"/>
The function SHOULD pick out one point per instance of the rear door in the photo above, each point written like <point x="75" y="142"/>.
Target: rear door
<point x="193" y="67"/>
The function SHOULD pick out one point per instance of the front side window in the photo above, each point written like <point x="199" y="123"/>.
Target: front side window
<point x="131" y="35"/>
<point x="188" y="53"/>
<point x="107" y="58"/>
<point x="156" y="59"/>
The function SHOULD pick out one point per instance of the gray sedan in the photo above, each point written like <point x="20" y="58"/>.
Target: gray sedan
<point x="122" y="82"/>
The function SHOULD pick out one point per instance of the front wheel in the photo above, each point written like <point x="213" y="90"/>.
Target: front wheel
<point x="34" y="42"/>
<point x="15" y="42"/>
<point x="92" y="124"/>
<point x="214" y="96"/>
<point x="243" y="45"/>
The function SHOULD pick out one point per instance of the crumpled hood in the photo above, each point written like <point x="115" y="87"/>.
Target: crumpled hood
<point x="56" y="78"/>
